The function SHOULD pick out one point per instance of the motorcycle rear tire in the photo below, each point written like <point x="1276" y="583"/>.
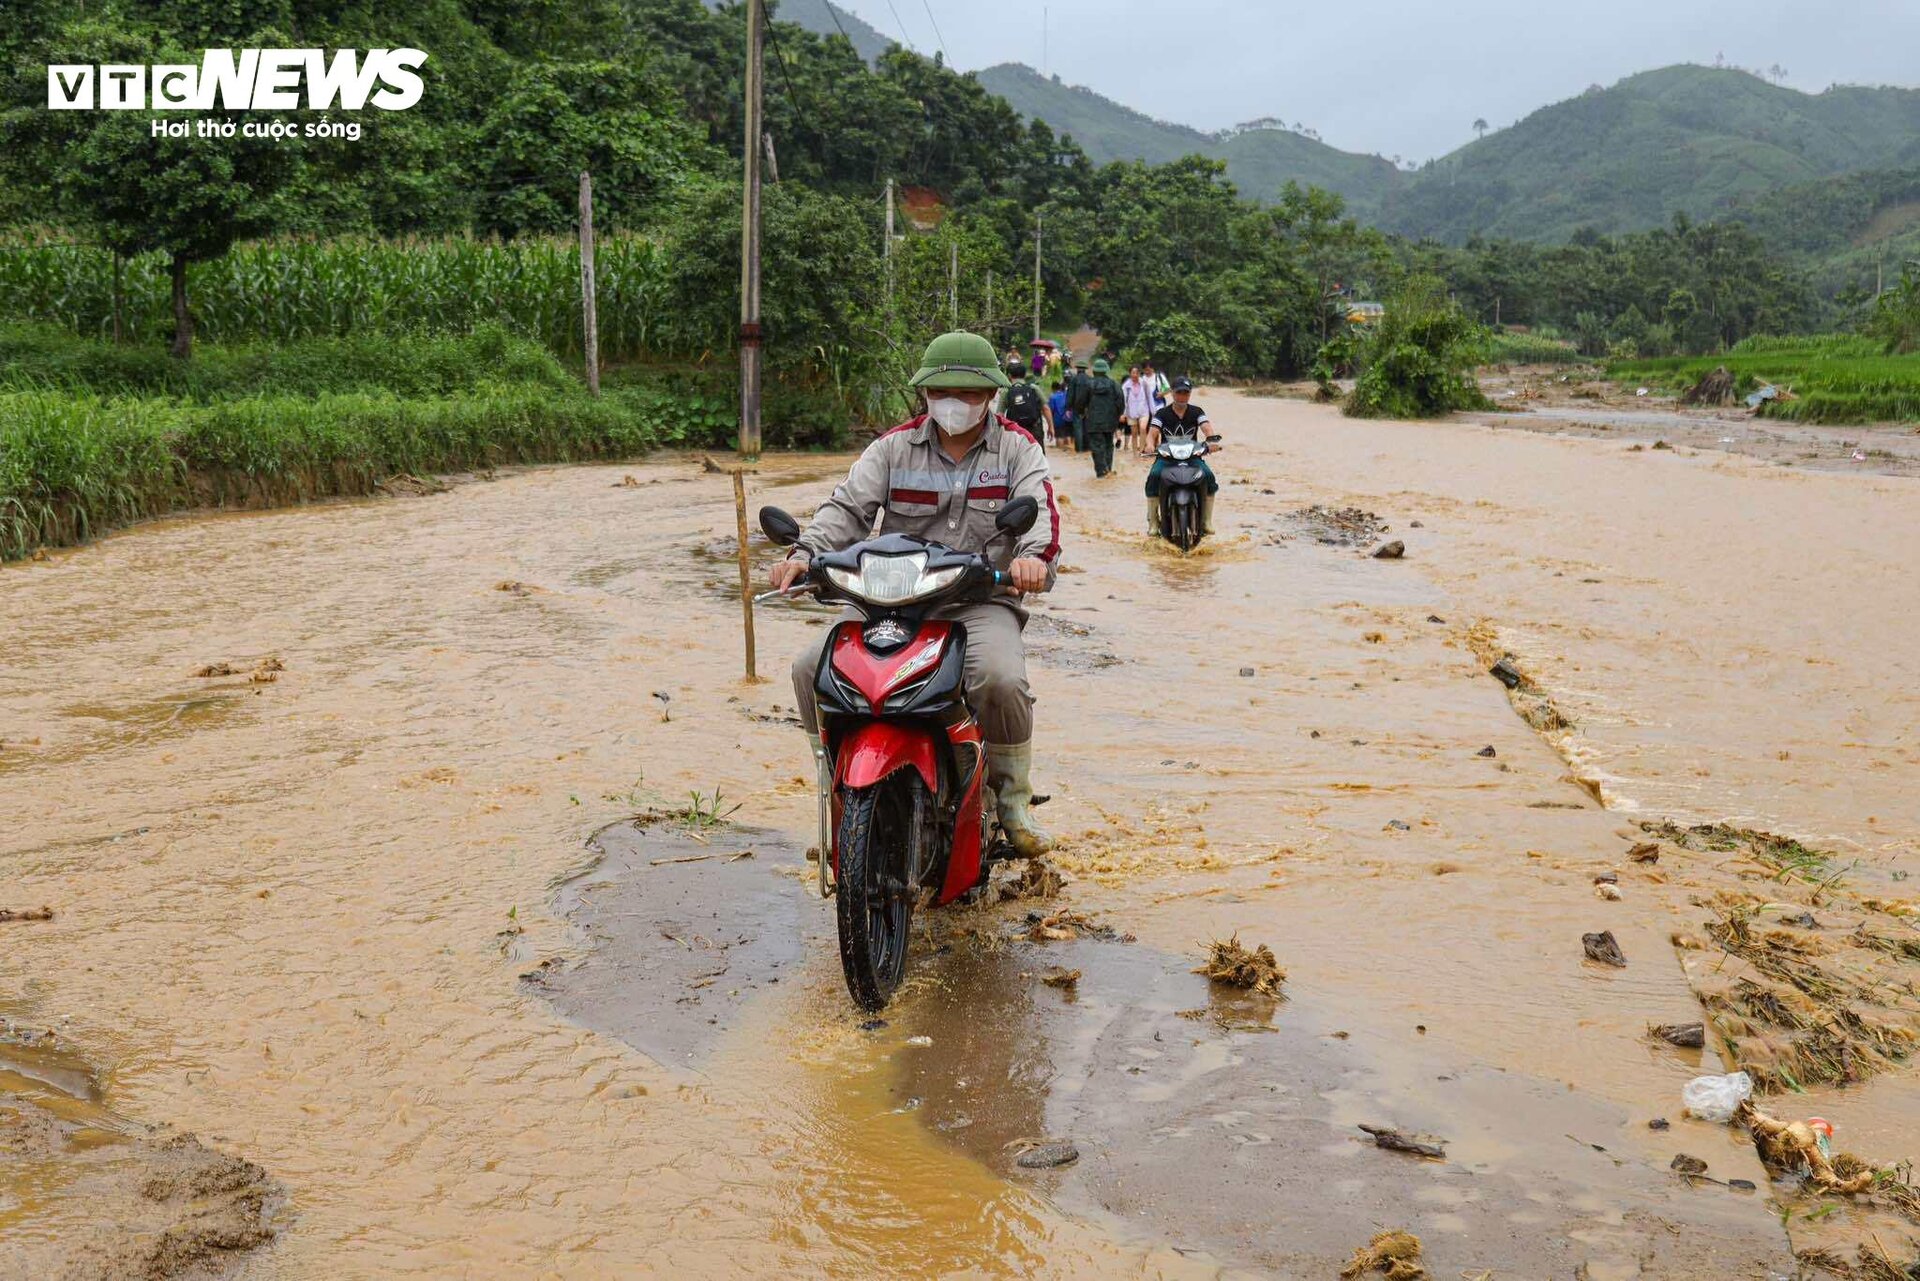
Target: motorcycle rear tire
<point x="876" y="827"/>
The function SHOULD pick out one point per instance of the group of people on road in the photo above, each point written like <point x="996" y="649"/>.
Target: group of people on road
<point x="1091" y="412"/>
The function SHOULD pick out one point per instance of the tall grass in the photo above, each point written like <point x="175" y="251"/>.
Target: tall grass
<point x="1507" y="348"/>
<point x="277" y="291"/>
<point x="1835" y="379"/>
<point x="74" y="464"/>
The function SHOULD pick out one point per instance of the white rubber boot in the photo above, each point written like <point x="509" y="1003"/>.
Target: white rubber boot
<point x="1153" y="515"/>
<point x="1206" y="513"/>
<point x="1009" y="774"/>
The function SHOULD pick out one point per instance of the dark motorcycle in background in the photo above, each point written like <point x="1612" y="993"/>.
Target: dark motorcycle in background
<point x="901" y="760"/>
<point x="1183" y="489"/>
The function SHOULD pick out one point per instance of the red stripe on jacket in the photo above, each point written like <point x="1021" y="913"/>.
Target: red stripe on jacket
<point x="912" y="496"/>
<point x="987" y="491"/>
<point x="1051" y="552"/>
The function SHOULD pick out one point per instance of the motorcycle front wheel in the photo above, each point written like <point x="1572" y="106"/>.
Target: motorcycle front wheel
<point x="875" y="901"/>
<point x="1184" y="533"/>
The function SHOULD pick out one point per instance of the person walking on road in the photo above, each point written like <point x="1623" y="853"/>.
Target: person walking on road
<point x="1101" y="404"/>
<point x="1023" y="405"/>
<point x="1076" y="404"/>
<point x="1138" y="392"/>
<point x="1059" y="417"/>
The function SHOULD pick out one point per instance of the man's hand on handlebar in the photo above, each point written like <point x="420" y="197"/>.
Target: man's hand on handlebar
<point x="788" y="572"/>
<point x="1029" y="574"/>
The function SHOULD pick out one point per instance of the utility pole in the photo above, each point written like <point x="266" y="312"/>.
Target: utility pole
<point x="589" y="312"/>
<point x="1036" y="275"/>
<point x="886" y="249"/>
<point x="750" y="244"/>
<point x="953" y="283"/>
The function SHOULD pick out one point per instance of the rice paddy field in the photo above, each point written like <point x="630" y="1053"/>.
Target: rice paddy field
<point x="1833" y="379"/>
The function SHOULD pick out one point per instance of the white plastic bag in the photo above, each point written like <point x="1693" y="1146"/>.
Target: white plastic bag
<point x="1717" y="1098"/>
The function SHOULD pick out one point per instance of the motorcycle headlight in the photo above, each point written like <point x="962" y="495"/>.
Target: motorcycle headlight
<point x="893" y="580"/>
<point x="1180" y="449"/>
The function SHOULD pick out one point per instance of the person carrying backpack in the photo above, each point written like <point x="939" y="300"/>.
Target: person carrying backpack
<point x="1102" y="402"/>
<point x="1023" y="405"/>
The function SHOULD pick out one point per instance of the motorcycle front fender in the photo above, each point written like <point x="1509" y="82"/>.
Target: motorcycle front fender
<point x="874" y="749"/>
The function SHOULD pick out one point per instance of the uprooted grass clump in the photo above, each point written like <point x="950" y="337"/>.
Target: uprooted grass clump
<point x="1231" y="963"/>
<point x="1394" y="1254"/>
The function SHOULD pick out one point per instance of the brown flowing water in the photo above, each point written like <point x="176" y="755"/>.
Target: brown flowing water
<point x="292" y="914"/>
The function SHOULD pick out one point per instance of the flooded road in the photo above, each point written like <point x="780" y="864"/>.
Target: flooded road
<point x="293" y="908"/>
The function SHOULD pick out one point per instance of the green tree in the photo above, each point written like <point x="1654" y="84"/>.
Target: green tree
<point x="1419" y="361"/>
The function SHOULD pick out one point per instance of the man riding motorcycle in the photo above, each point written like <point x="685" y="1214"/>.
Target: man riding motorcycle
<point x="943" y="476"/>
<point x="1181" y="420"/>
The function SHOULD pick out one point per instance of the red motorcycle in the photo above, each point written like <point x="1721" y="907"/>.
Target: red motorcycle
<point x="900" y="759"/>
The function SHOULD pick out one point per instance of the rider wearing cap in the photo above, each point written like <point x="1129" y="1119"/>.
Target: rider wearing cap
<point x="944" y="476"/>
<point x="1180" y="420"/>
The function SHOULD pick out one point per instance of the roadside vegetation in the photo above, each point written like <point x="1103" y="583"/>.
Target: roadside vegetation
<point x="1419" y="361"/>
<point x="1837" y="379"/>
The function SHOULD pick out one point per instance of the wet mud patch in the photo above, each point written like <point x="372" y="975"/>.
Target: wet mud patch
<point x="1347" y="527"/>
<point x="78" y="1203"/>
<point x="1194" y="1109"/>
<point x="682" y="933"/>
<point x="1067" y="644"/>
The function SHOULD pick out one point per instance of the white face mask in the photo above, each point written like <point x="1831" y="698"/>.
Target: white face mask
<point x="955" y="416"/>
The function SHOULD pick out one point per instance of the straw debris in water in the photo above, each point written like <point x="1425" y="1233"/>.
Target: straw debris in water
<point x="1256" y="970"/>
<point x="1394" y="1254"/>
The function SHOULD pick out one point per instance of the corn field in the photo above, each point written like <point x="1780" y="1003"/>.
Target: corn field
<point x="279" y="291"/>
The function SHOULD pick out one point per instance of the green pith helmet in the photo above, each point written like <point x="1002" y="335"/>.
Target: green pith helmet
<point x="959" y="359"/>
<point x="1102" y="367"/>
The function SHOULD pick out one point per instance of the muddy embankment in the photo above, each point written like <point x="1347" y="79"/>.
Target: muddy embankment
<point x="314" y="919"/>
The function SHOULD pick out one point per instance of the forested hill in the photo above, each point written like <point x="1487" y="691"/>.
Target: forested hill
<point x="1686" y="139"/>
<point x="1260" y="160"/>
<point x="824" y="18"/>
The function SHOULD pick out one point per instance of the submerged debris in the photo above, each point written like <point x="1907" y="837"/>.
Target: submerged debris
<point x="217" y="669"/>
<point x="1792" y="1147"/>
<point x="1229" y="962"/>
<point x="1427" y="1145"/>
<point x="1688" y="1165"/>
<point x="1047" y="1156"/>
<point x="26" y="914"/>
<point x="1061" y="978"/>
<point x="1715" y="388"/>
<point x="1688" y="1036"/>
<point x="1064" y="926"/>
<point x="1394" y="550"/>
<point x="1394" y="1254"/>
<point x="1601" y="947"/>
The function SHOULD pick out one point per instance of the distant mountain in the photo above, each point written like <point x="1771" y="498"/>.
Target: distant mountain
<point x="1260" y="159"/>
<point x="1858" y="230"/>
<point x="820" y="16"/>
<point x="1692" y="139"/>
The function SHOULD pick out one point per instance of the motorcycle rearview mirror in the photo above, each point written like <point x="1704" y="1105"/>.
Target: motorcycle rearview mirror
<point x="1017" y="517"/>
<point x="781" y="529"/>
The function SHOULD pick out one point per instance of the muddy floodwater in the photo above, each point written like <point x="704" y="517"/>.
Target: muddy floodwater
<point x="462" y="909"/>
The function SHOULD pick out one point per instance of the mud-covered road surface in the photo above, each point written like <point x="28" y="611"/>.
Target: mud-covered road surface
<point x="370" y="911"/>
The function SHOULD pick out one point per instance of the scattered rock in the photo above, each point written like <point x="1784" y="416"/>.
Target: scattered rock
<point x="26" y="914"/>
<point x="1659" y="1123"/>
<point x="1414" y="524"/>
<point x="1688" y="1164"/>
<point x="1394" y="1254"/>
<point x="1601" y="947"/>
<point x="1397" y="825"/>
<point x="1661" y="444"/>
<point x="1391" y="551"/>
<point x="1606" y="878"/>
<point x="1487" y="751"/>
<point x="1048" y="1156"/>
<point x="1427" y="1145"/>
<point x="1608" y="891"/>
<point x="873" y="1025"/>
<point x="920" y="1042"/>
<point x="1246" y="671"/>
<point x="1061" y="978"/>
<point x="1230" y="963"/>
<point x="1688" y="1036"/>
<point x="1435" y="618"/>
<point x="1507" y="673"/>
<point x="1645" y="852"/>
<point x="217" y="669"/>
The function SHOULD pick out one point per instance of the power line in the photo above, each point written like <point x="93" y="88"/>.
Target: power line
<point x="903" y="26"/>
<point x="799" y="104"/>
<point x="940" y="39"/>
<point x="833" y="12"/>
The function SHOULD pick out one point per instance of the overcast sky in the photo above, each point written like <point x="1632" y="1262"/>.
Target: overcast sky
<point x="1399" y="77"/>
